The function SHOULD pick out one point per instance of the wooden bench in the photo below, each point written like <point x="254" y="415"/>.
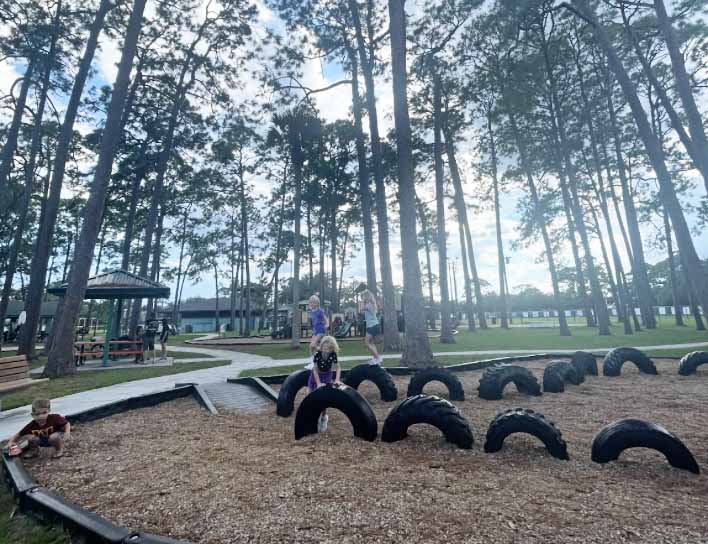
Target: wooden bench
<point x="14" y="373"/>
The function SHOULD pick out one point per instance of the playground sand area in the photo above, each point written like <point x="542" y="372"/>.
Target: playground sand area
<point x="177" y="471"/>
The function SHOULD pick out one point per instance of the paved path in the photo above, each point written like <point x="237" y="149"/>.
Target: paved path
<point x="12" y="420"/>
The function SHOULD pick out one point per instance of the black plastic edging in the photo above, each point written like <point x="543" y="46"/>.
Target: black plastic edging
<point x="133" y="403"/>
<point x="16" y="476"/>
<point x="204" y="400"/>
<point x="52" y="508"/>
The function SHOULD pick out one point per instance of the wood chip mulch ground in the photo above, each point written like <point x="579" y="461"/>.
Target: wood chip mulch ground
<point x="177" y="471"/>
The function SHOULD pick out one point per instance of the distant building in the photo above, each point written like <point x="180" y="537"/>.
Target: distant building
<point x="200" y="315"/>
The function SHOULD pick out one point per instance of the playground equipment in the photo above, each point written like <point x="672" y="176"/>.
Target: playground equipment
<point x="431" y="410"/>
<point x="691" y="361"/>
<point x="556" y="374"/>
<point x="495" y="379"/>
<point x="289" y="390"/>
<point x="436" y="374"/>
<point x="616" y="437"/>
<point x="584" y="363"/>
<point x="343" y="398"/>
<point x="612" y="365"/>
<point x="523" y="420"/>
<point x="375" y="374"/>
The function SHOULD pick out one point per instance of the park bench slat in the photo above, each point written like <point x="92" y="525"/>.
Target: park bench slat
<point x="13" y="377"/>
<point x="14" y="364"/>
<point x="19" y="384"/>
<point x="4" y="371"/>
<point x="13" y="359"/>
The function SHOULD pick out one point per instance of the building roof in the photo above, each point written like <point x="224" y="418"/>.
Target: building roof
<point x="16" y="306"/>
<point x="118" y="284"/>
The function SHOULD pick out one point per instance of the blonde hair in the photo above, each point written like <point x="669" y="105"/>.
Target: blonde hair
<point x="330" y="341"/>
<point x="315" y="299"/>
<point x="368" y="296"/>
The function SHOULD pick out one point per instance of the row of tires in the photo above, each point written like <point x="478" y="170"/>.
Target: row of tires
<point x="494" y="379"/>
<point x="607" y="445"/>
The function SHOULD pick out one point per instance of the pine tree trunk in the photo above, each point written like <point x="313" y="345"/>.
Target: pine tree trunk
<point x="297" y="160"/>
<point x="363" y="172"/>
<point x="560" y="137"/>
<point x="417" y="352"/>
<point x="699" y="161"/>
<point x="683" y="85"/>
<point x="678" y="311"/>
<point x="428" y="261"/>
<point x="8" y="150"/>
<point x="392" y="339"/>
<point x="667" y="194"/>
<point x="446" y="336"/>
<point x="539" y="215"/>
<point x="469" y="304"/>
<point x="45" y="234"/>
<point x="497" y="219"/>
<point x="30" y="167"/>
<point x="462" y="212"/>
<point x="182" y="242"/>
<point x="60" y="359"/>
<point x="333" y="258"/>
<point x="309" y="240"/>
<point x="246" y="247"/>
<point x="695" y="310"/>
<point x="216" y="290"/>
<point x="640" y="275"/>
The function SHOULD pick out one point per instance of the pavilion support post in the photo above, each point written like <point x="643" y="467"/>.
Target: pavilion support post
<point x="109" y="330"/>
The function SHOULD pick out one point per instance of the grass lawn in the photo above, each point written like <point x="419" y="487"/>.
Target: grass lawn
<point x="22" y="530"/>
<point x="84" y="381"/>
<point x="530" y="339"/>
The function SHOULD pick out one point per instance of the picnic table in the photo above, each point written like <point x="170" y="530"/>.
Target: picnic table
<point x="96" y="349"/>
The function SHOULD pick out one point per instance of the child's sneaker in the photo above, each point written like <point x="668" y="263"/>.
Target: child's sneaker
<point x="379" y="361"/>
<point x="322" y="423"/>
<point x="373" y="361"/>
<point x="310" y="364"/>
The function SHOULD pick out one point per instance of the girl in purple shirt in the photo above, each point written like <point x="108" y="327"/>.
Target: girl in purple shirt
<point x="319" y="326"/>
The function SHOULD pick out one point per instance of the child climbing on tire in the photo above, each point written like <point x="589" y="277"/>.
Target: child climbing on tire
<point x="319" y="327"/>
<point x="373" y="327"/>
<point x="326" y="370"/>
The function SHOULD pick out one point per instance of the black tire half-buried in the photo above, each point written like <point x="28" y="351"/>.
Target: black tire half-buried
<point x="376" y="374"/>
<point x="612" y="365"/>
<point x="556" y="374"/>
<point x="431" y="410"/>
<point x="495" y="379"/>
<point x="289" y="390"/>
<point x="342" y="398"/>
<point x="436" y="374"/>
<point x="521" y="420"/>
<point x="691" y="361"/>
<point x="584" y="363"/>
<point x="616" y="437"/>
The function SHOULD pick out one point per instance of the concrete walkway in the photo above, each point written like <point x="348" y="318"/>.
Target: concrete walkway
<point x="12" y="420"/>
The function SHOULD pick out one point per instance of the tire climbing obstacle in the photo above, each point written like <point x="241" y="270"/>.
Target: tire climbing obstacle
<point x="419" y="408"/>
<point x="523" y="420"/>
<point x="432" y="410"/>
<point x="621" y="435"/>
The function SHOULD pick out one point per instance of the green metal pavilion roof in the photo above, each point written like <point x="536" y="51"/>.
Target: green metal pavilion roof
<point x="118" y="284"/>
